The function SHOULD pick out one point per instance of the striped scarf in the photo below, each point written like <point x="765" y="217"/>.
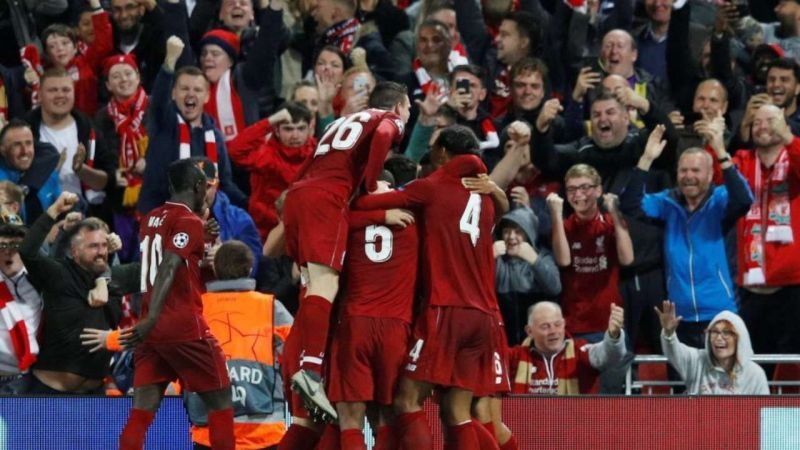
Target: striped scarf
<point x="92" y="196"/>
<point x="185" y="139"/>
<point x="225" y="106"/>
<point x="457" y="57"/>
<point x="342" y="35"/>
<point x="25" y="347"/>
<point x="127" y="116"/>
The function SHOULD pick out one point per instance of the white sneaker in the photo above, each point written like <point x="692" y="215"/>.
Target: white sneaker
<point x="309" y="386"/>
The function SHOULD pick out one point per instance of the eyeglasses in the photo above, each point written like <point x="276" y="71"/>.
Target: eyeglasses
<point x="584" y="188"/>
<point x="727" y="334"/>
<point x="9" y="245"/>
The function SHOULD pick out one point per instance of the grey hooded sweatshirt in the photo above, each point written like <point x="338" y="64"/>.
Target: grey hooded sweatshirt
<point x="704" y="377"/>
<point x="520" y="284"/>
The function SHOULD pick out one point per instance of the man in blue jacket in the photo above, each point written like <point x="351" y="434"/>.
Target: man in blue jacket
<point x="30" y="164"/>
<point x="696" y="217"/>
<point x="178" y="129"/>
<point x="231" y="221"/>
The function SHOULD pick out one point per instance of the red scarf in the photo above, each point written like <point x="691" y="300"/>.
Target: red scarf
<point x="456" y="57"/>
<point x="342" y="35"/>
<point x="185" y="139"/>
<point x="492" y="140"/>
<point x="128" y="116"/>
<point x="29" y="55"/>
<point x="24" y="346"/>
<point x="501" y="93"/>
<point x="769" y="218"/>
<point x="225" y="106"/>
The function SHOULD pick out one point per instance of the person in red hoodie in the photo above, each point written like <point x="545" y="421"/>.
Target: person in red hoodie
<point x="61" y="48"/>
<point x="273" y="150"/>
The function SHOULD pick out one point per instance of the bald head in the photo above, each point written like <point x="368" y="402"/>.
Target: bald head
<point x="618" y="53"/>
<point x="710" y="98"/>
<point x="546" y="327"/>
<point x="613" y="82"/>
<point x="543" y="307"/>
<point x="768" y="121"/>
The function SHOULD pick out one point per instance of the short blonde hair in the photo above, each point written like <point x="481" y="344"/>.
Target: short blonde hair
<point x="583" y="170"/>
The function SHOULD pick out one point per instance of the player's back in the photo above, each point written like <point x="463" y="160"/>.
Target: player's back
<point x="174" y="227"/>
<point x="341" y="156"/>
<point x="457" y="239"/>
<point x="381" y="272"/>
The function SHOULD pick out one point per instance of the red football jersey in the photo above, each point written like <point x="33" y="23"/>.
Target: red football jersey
<point x="456" y="234"/>
<point x="352" y="149"/>
<point x="175" y="228"/>
<point x="591" y="282"/>
<point x="381" y="272"/>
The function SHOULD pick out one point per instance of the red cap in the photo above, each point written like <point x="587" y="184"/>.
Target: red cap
<point x="112" y="61"/>
<point x="225" y="39"/>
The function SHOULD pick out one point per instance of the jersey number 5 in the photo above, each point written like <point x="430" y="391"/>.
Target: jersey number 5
<point x="373" y="233"/>
<point x="470" y="218"/>
<point x="152" y="254"/>
<point x="345" y="132"/>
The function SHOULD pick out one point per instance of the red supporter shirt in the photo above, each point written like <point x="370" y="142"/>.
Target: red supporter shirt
<point x="456" y="234"/>
<point x="352" y="149"/>
<point x="381" y="272"/>
<point x="591" y="281"/>
<point x="174" y="228"/>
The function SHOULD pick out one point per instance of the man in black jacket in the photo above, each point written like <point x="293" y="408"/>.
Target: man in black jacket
<point x="139" y="29"/>
<point x="77" y="294"/>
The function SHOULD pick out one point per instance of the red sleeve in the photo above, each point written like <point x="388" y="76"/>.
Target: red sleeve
<point x="362" y="219"/>
<point x="244" y="147"/>
<point x="103" y="43"/>
<point x="718" y="177"/>
<point x="389" y="200"/>
<point x="382" y="140"/>
<point x="185" y="237"/>
<point x="794" y="156"/>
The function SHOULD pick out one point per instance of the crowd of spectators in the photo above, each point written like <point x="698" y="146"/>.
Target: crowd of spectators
<point x="669" y="126"/>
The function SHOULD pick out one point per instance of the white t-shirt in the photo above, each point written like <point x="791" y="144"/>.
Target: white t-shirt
<point x="29" y="305"/>
<point x="64" y="140"/>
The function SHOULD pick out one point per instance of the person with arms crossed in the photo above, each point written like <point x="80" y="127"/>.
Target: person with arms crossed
<point x="456" y="337"/>
<point x="173" y="338"/>
<point x="352" y="150"/>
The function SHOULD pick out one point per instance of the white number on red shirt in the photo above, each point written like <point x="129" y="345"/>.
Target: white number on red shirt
<point x="345" y="132"/>
<point x="470" y="218"/>
<point x="378" y="234"/>
<point x="152" y="254"/>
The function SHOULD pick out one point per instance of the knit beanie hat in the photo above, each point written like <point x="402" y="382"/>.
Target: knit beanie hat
<point x="225" y="39"/>
<point x="112" y="61"/>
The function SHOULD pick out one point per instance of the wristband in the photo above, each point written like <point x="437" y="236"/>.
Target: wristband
<point x="724" y="159"/>
<point x="112" y="341"/>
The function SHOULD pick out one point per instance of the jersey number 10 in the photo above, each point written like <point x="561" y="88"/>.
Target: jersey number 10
<point x="152" y="254"/>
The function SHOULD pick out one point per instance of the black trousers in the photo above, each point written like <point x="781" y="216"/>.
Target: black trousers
<point x="772" y="321"/>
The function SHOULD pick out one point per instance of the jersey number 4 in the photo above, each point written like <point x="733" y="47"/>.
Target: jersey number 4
<point x="152" y="254"/>
<point x="470" y="218"/>
<point x="345" y="132"/>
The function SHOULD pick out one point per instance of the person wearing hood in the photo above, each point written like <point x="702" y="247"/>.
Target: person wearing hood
<point x="273" y="150"/>
<point x="552" y="363"/>
<point x="524" y="271"/>
<point x="724" y="366"/>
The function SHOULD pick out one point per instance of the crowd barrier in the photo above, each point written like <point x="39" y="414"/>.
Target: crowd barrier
<point x="589" y="422"/>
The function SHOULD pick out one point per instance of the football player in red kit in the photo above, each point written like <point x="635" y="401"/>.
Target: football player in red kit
<point x="351" y="151"/>
<point x="454" y="339"/>
<point x="172" y="339"/>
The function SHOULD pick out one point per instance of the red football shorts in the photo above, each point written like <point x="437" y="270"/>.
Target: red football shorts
<point x="502" y="383"/>
<point x="316" y="227"/>
<point x="456" y="347"/>
<point x="290" y="365"/>
<point x="366" y="358"/>
<point x="199" y="365"/>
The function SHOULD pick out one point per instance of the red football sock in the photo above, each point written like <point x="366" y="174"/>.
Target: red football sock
<point x="330" y="438"/>
<point x="485" y="434"/>
<point x="132" y="437"/>
<point x="314" y="323"/>
<point x="413" y="432"/>
<point x="352" y="440"/>
<point x="511" y="444"/>
<point x="385" y="439"/>
<point x="220" y="429"/>
<point x="298" y="437"/>
<point x="462" y="437"/>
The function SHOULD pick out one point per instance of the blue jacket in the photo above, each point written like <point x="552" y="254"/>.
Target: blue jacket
<point x="40" y="180"/>
<point x="162" y="128"/>
<point x="236" y="223"/>
<point x="698" y="279"/>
